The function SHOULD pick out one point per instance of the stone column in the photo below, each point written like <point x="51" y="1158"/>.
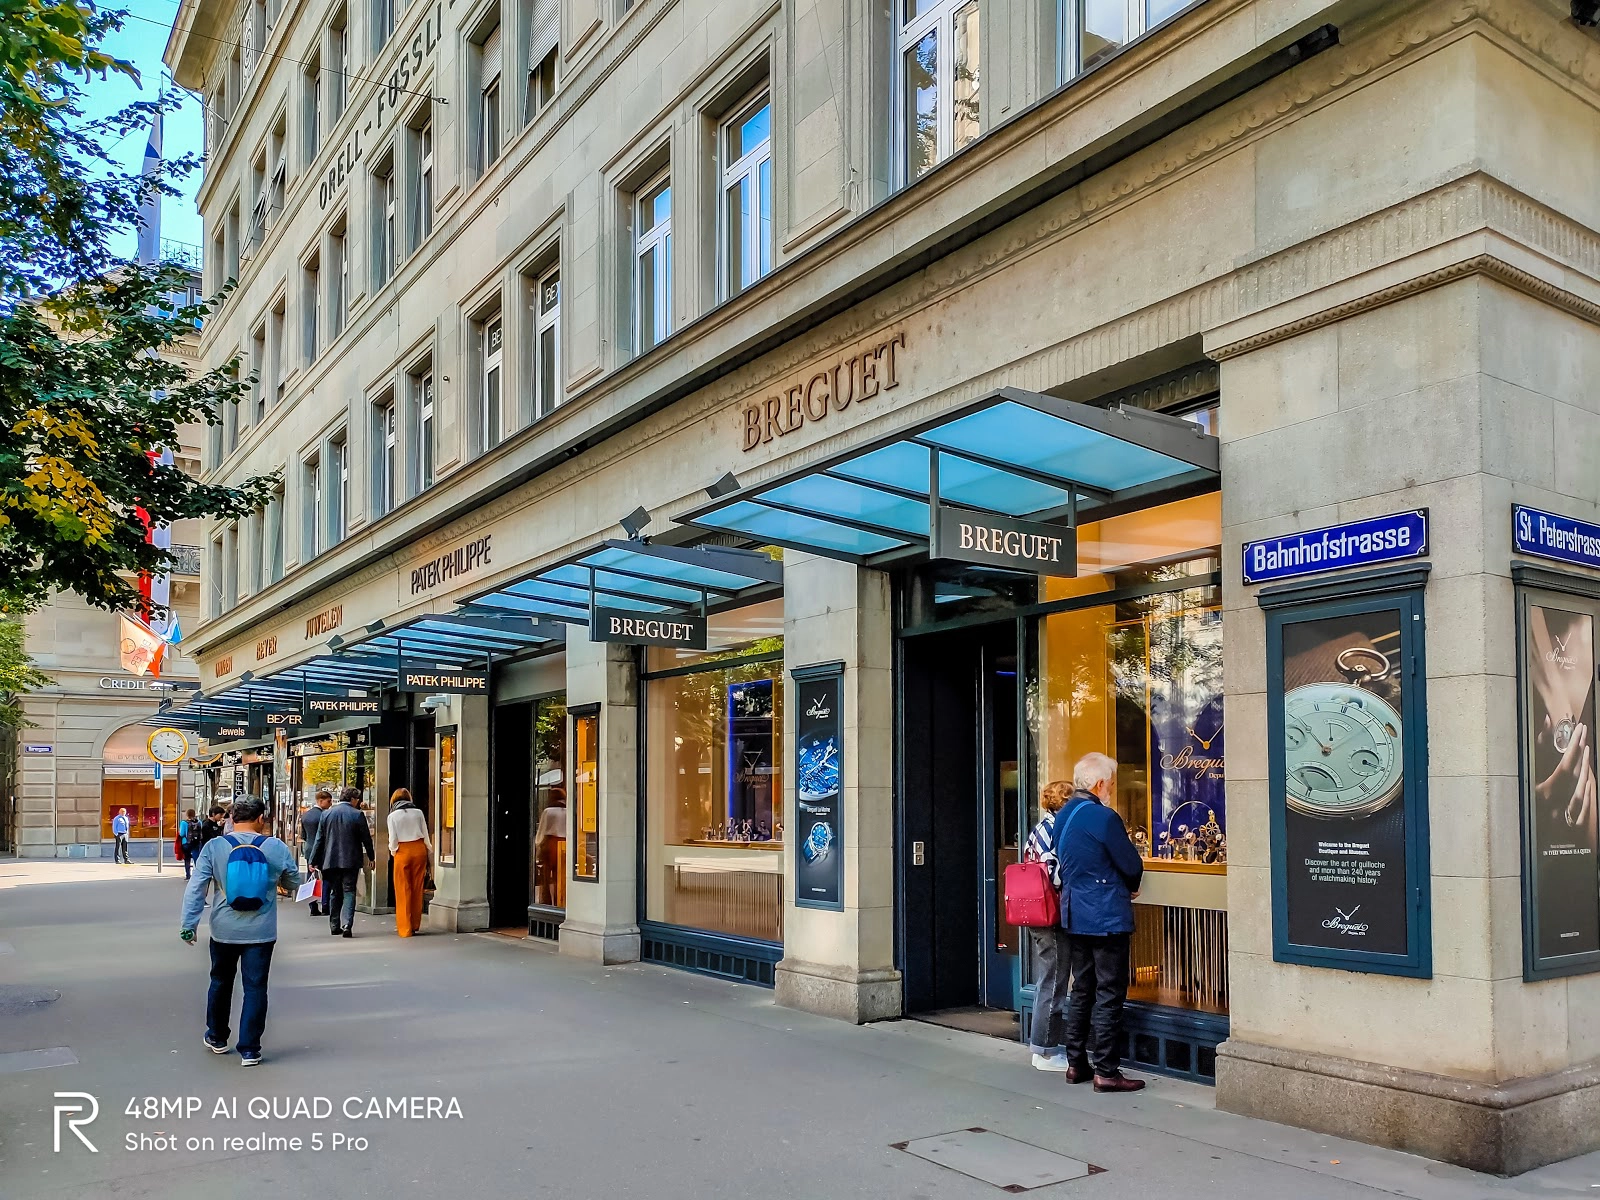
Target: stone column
<point x="602" y="922"/>
<point x="841" y="964"/>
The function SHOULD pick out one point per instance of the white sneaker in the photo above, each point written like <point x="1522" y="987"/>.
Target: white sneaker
<point x="1050" y="1062"/>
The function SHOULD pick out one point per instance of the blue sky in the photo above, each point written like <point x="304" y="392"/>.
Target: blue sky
<point x="141" y="41"/>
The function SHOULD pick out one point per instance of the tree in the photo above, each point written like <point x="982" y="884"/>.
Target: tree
<point x="86" y="400"/>
<point x="17" y="674"/>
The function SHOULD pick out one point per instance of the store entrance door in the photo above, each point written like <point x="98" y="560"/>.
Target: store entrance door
<point x="509" y="823"/>
<point x="960" y="824"/>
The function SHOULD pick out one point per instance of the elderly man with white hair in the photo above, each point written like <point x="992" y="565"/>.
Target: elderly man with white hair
<point x="1100" y="874"/>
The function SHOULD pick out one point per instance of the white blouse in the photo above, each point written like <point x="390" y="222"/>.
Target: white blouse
<point x="407" y="825"/>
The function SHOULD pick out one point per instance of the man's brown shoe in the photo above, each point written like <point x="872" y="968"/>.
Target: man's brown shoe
<point x="1079" y="1073"/>
<point x="1117" y="1083"/>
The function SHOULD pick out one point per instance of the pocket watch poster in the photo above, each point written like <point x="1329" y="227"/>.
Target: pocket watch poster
<point x="1559" y="673"/>
<point x="1344" y="790"/>
<point x="819" y="751"/>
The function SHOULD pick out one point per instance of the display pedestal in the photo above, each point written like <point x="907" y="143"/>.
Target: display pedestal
<point x="838" y="992"/>
<point x="1504" y="1128"/>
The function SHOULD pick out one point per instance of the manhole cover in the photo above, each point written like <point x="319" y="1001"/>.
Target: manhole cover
<point x="22" y="997"/>
<point x="1008" y="1164"/>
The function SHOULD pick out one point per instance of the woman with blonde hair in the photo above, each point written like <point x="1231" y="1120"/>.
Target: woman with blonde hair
<point x="410" y="849"/>
<point x="1048" y="1036"/>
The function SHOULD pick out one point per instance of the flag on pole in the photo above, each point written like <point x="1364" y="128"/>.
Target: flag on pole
<point x="140" y="647"/>
<point x="150" y="203"/>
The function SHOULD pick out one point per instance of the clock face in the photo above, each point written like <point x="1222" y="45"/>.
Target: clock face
<point x="168" y="746"/>
<point x="1342" y="750"/>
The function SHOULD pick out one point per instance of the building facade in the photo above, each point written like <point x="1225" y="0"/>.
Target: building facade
<point x="735" y="455"/>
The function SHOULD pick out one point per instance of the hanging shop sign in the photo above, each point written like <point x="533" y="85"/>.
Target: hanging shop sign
<point x="344" y="706"/>
<point x="856" y="378"/>
<point x="227" y="731"/>
<point x="1550" y="535"/>
<point x="274" y="716"/>
<point x="648" y="629"/>
<point x="1348" y="774"/>
<point x="452" y="564"/>
<point x="425" y="677"/>
<point x="1000" y="541"/>
<point x="819" y="795"/>
<point x="1561" y="904"/>
<point x="1392" y="538"/>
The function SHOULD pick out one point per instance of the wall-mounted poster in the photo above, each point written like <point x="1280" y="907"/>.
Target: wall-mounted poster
<point x="1347" y="758"/>
<point x="818" y="787"/>
<point x="1561" y="907"/>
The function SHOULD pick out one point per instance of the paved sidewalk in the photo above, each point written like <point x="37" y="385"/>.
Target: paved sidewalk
<point x="572" y="1080"/>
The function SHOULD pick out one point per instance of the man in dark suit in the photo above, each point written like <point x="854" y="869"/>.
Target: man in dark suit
<point x="343" y="847"/>
<point x="1100" y="875"/>
<point x="309" y="823"/>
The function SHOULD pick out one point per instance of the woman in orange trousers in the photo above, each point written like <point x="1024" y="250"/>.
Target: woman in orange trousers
<point x="410" y="850"/>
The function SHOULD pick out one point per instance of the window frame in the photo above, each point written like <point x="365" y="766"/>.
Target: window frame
<point x="544" y="322"/>
<point x="422" y="190"/>
<point x="339" y="518"/>
<point x="491" y="415"/>
<point x="657" y="237"/>
<point x="746" y="168"/>
<point x="311" y="531"/>
<point x="386" y="202"/>
<point x="491" y="95"/>
<point x="940" y="19"/>
<point x="387" y="458"/>
<point x="424" y="400"/>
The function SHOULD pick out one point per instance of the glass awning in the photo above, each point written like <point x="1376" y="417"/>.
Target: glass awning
<point x="637" y="576"/>
<point x="1016" y="453"/>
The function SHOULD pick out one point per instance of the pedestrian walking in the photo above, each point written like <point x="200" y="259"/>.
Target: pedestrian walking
<point x="189" y="822"/>
<point x="1048" y="1033"/>
<point x="244" y="868"/>
<point x="343" y="847"/>
<point x="1100" y="876"/>
<point x="119" y="830"/>
<point x="410" y="849"/>
<point x="308" y="832"/>
<point x="211" y="827"/>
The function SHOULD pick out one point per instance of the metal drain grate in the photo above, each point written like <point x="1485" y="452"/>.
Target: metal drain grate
<point x="996" y="1159"/>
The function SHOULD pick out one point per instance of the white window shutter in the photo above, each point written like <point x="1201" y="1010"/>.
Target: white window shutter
<point x="491" y="59"/>
<point x="546" y="31"/>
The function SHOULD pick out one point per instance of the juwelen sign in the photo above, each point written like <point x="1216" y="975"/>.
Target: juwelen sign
<point x="426" y="677"/>
<point x="648" y="629"/>
<point x="999" y="541"/>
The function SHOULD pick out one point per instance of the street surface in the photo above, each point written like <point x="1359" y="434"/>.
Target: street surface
<point x="570" y="1080"/>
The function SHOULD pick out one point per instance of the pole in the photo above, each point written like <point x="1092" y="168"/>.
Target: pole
<point x="161" y="819"/>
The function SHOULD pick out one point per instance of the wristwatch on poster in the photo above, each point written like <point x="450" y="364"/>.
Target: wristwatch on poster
<point x="1342" y="746"/>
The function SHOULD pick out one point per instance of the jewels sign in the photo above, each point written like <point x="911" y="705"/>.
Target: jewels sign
<point x="996" y="541"/>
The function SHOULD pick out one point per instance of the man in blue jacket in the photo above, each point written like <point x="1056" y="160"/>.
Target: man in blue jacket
<point x="1100" y="875"/>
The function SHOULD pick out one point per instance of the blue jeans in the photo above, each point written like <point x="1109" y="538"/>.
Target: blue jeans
<point x="339" y="895"/>
<point x="253" y="961"/>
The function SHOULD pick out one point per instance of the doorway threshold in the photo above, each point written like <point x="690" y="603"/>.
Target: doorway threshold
<point x="991" y="1022"/>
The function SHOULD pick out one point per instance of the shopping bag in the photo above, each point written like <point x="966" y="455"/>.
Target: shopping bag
<point x="1030" y="898"/>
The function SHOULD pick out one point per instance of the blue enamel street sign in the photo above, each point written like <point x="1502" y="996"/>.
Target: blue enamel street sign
<point x="1550" y="535"/>
<point x="1354" y="544"/>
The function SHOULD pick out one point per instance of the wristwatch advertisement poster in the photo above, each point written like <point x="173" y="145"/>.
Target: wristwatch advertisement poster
<point x="1344" y="819"/>
<point x="818" y="787"/>
<point x="1558" y="784"/>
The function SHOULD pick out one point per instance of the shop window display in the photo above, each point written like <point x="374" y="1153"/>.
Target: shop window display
<point x="548" y="845"/>
<point x="586" y="776"/>
<point x="447" y="797"/>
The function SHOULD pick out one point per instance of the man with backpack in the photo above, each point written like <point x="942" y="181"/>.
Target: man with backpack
<point x="245" y="867"/>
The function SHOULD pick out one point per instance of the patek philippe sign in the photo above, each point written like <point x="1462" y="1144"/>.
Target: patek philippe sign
<point x="1391" y="538"/>
<point x="452" y="564"/>
<point x="818" y="774"/>
<point x="425" y="677"/>
<point x="1550" y="535"/>
<point x="648" y="629"/>
<point x="344" y="706"/>
<point x="1000" y="541"/>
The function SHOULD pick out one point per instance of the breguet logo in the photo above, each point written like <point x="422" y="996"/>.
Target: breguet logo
<point x="1345" y="922"/>
<point x="1559" y="655"/>
<point x="1204" y="766"/>
<point x="855" y="379"/>
<point x="820" y="709"/>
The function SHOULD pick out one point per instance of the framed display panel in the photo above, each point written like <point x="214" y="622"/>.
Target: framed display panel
<point x="586" y="784"/>
<point x="1557" y="621"/>
<point x="818" y="786"/>
<point x="1347" y="773"/>
<point x="446" y="824"/>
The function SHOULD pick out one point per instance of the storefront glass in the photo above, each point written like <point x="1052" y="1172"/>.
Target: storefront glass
<point x="714" y="857"/>
<point x="139" y="798"/>
<point x="547" y="870"/>
<point x="586" y="774"/>
<point x="446" y="824"/>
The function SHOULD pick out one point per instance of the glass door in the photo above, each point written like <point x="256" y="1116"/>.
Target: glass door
<point x="1000" y="822"/>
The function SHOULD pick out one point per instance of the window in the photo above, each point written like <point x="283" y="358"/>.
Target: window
<point x="547" y="343"/>
<point x="311" y="306"/>
<point x="1093" y="30"/>
<point x="383" y="14"/>
<point x="338" y="279"/>
<point x="490" y="416"/>
<point x="311" y="508"/>
<point x="217" y="574"/>
<point x="489" y="99"/>
<point x="278" y="164"/>
<point x="272" y="540"/>
<point x="746" y="150"/>
<point x="258" y="363"/>
<point x="652" y="285"/>
<point x="938" y="84"/>
<point x="232" y="271"/>
<point x="338" y="65"/>
<point x="258" y="210"/>
<point x="313" y="113"/>
<point x="422" y="450"/>
<point x="230" y="567"/>
<point x="549" y="815"/>
<point x="544" y="56"/>
<point x="251" y="552"/>
<point x="386" y="199"/>
<point x="388" y="450"/>
<point x="275" y="348"/>
<point x="586" y="778"/>
<point x="446" y="823"/>
<point x="338" y="487"/>
<point x="422" y="192"/>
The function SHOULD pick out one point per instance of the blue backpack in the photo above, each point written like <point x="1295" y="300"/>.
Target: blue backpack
<point x="247" y="878"/>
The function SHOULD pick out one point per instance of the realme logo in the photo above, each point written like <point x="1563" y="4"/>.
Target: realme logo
<point x="70" y="1110"/>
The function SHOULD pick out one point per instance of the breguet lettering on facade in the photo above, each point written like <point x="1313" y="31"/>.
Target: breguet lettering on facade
<point x="859" y="377"/>
<point x="463" y="560"/>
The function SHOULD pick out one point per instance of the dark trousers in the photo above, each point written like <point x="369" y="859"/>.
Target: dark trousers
<point x="339" y="895"/>
<point x="188" y="864"/>
<point x="1050" y="957"/>
<point x="119" y="852"/>
<point x="253" y="962"/>
<point x="1099" y="989"/>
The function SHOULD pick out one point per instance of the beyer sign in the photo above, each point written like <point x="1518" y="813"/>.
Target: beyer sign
<point x="997" y="541"/>
<point x="648" y="629"/>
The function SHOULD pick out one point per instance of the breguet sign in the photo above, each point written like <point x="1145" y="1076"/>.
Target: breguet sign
<point x="857" y="378"/>
<point x="648" y="629"/>
<point x="998" y="541"/>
